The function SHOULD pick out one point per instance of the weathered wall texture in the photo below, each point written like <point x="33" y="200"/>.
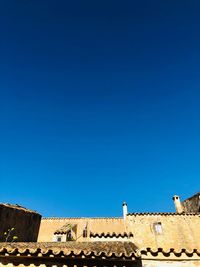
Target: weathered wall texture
<point x="25" y="222"/>
<point x="104" y="239"/>
<point x="97" y="225"/>
<point x="178" y="231"/>
<point x="192" y="204"/>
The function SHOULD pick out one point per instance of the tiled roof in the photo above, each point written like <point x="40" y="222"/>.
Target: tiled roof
<point x="65" y="228"/>
<point x="167" y="252"/>
<point x="104" y="250"/>
<point x="90" y="250"/>
<point x="16" y="206"/>
<point x="162" y="213"/>
<point x="110" y="235"/>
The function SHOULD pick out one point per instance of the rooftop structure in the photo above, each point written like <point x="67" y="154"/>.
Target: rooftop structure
<point x="152" y="239"/>
<point x="19" y="222"/>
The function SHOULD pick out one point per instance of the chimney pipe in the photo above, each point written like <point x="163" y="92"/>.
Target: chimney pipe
<point x="178" y="205"/>
<point x="125" y="210"/>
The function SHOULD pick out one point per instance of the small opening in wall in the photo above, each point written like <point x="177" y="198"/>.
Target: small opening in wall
<point x="158" y="228"/>
<point x="59" y="239"/>
<point x="69" y="235"/>
<point x="84" y="232"/>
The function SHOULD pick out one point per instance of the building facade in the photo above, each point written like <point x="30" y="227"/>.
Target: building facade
<point x="135" y="239"/>
<point x="18" y="222"/>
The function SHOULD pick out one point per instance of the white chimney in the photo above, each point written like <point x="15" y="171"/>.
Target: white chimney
<point x="178" y="205"/>
<point x="125" y="210"/>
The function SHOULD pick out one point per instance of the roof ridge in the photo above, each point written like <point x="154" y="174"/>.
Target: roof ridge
<point x="17" y="206"/>
<point x="164" y="213"/>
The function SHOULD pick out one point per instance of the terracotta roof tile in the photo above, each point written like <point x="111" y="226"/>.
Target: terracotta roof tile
<point x="65" y="228"/>
<point x="125" y="250"/>
<point x="162" y="214"/>
<point x="168" y="252"/>
<point x="110" y="235"/>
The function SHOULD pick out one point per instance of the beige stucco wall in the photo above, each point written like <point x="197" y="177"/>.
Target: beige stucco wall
<point x="98" y="225"/>
<point x="106" y="239"/>
<point x="179" y="231"/>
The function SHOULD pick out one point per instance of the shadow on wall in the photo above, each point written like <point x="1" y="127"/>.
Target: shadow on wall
<point x="18" y="224"/>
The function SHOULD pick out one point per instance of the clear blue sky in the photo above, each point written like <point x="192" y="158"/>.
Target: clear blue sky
<point x="99" y="104"/>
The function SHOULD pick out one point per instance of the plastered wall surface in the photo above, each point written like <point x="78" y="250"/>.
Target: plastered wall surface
<point x="97" y="225"/>
<point x="178" y="231"/>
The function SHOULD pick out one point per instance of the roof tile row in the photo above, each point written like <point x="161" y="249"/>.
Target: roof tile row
<point x="125" y="250"/>
<point x="108" y="234"/>
<point x="168" y="252"/>
<point x="162" y="214"/>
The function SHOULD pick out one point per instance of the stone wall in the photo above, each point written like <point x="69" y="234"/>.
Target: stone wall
<point x="192" y="204"/>
<point x="25" y="222"/>
<point x="176" y="231"/>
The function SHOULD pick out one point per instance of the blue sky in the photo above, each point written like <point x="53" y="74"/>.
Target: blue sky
<point x="99" y="104"/>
